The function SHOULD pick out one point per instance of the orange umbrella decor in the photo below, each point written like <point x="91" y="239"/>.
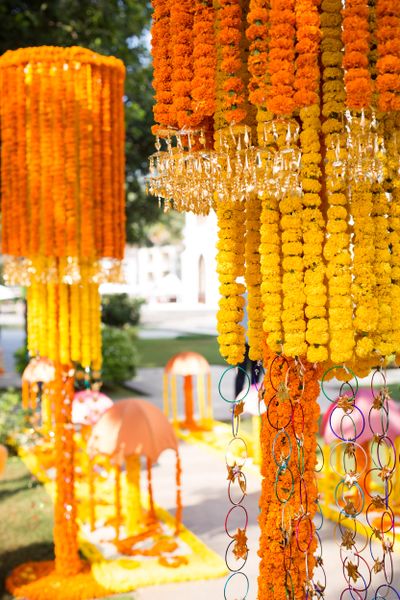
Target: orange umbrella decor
<point x="62" y="202"/>
<point x="36" y="380"/>
<point x="3" y="459"/>
<point x="130" y="429"/>
<point x="188" y="365"/>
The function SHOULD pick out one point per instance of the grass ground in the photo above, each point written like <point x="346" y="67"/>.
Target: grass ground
<point x="26" y="520"/>
<point x="156" y="352"/>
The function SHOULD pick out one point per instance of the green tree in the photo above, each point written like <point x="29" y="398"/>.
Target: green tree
<point x="117" y="27"/>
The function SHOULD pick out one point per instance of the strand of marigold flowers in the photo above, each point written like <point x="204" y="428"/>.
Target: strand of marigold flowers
<point x="161" y="53"/>
<point x="270" y="260"/>
<point x="364" y="282"/>
<point x="231" y="226"/>
<point x="281" y="70"/>
<point x="383" y="342"/>
<point x="281" y="58"/>
<point x="21" y="150"/>
<point x="96" y="157"/>
<point x="393" y="183"/>
<point x="252" y="275"/>
<point x="230" y="266"/>
<point x="291" y="209"/>
<point x="256" y="33"/>
<point x="287" y="540"/>
<point x="58" y="159"/>
<point x="204" y="65"/>
<point x="34" y="164"/>
<point x="65" y="526"/>
<point x="356" y="38"/>
<point x="46" y="179"/>
<point x="181" y="22"/>
<point x="388" y="65"/>
<point x="229" y="39"/>
<point x="307" y="96"/>
<point x="313" y="237"/>
<point x="337" y="247"/>
<point x="269" y="248"/>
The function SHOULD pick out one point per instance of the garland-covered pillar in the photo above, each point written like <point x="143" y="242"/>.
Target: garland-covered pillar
<point x="63" y="217"/>
<point x="65" y="526"/>
<point x="289" y="494"/>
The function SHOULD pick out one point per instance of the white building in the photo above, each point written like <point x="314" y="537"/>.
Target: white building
<point x="184" y="273"/>
<point x="198" y="265"/>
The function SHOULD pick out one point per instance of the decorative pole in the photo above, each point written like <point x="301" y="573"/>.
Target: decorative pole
<point x="62" y="194"/>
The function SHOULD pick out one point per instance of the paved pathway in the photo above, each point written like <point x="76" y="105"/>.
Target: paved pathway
<point x="206" y="504"/>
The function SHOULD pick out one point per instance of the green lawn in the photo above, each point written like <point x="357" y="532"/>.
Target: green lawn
<point x="26" y="520"/>
<point x="157" y="352"/>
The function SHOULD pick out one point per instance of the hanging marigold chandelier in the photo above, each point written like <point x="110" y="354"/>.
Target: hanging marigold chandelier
<point x="284" y="117"/>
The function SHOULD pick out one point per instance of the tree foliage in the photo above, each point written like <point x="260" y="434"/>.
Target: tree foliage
<point x="117" y="27"/>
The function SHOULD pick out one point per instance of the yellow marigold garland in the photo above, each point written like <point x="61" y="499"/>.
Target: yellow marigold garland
<point x="291" y="208"/>
<point x="313" y="237"/>
<point x="270" y="266"/>
<point x="253" y="278"/>
<point x="230" y="266"/>
<point x="336" y="249"/>
<point x="64" y="321"/>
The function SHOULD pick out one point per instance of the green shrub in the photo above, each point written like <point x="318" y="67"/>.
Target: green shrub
<point x="120" y="309"/>
<point x="13" y="418"/>
<point x="120" y="356"/>
<point x="21" y="359"/>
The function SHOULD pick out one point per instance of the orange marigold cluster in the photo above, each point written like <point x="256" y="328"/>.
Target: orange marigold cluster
<point x="257" y="34"/>
<point x="160" y="50"/>
<point x="181" y="23"/>
<point x="388" y="64"/>
<point x="229" y="38"/>
<point x="307" y="49"/>
<point x="204" y="63"/>
<point x="356" y="39"/>
<point x="62" y="153"/>
<point x="281" y="65"/>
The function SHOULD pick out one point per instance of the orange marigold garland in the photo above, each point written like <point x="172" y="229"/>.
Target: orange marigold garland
<point x="281" y="58"/>
<point x="229" y="40"/>
<point x="388" y="64"/>
<point x="57" y="195"/>
<point x="356" y="39"/>
<point x="307" y="53"/>
<point x="181" y="23"/>
<point x="204" y="65"/>
<point x="162" y="63"/>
